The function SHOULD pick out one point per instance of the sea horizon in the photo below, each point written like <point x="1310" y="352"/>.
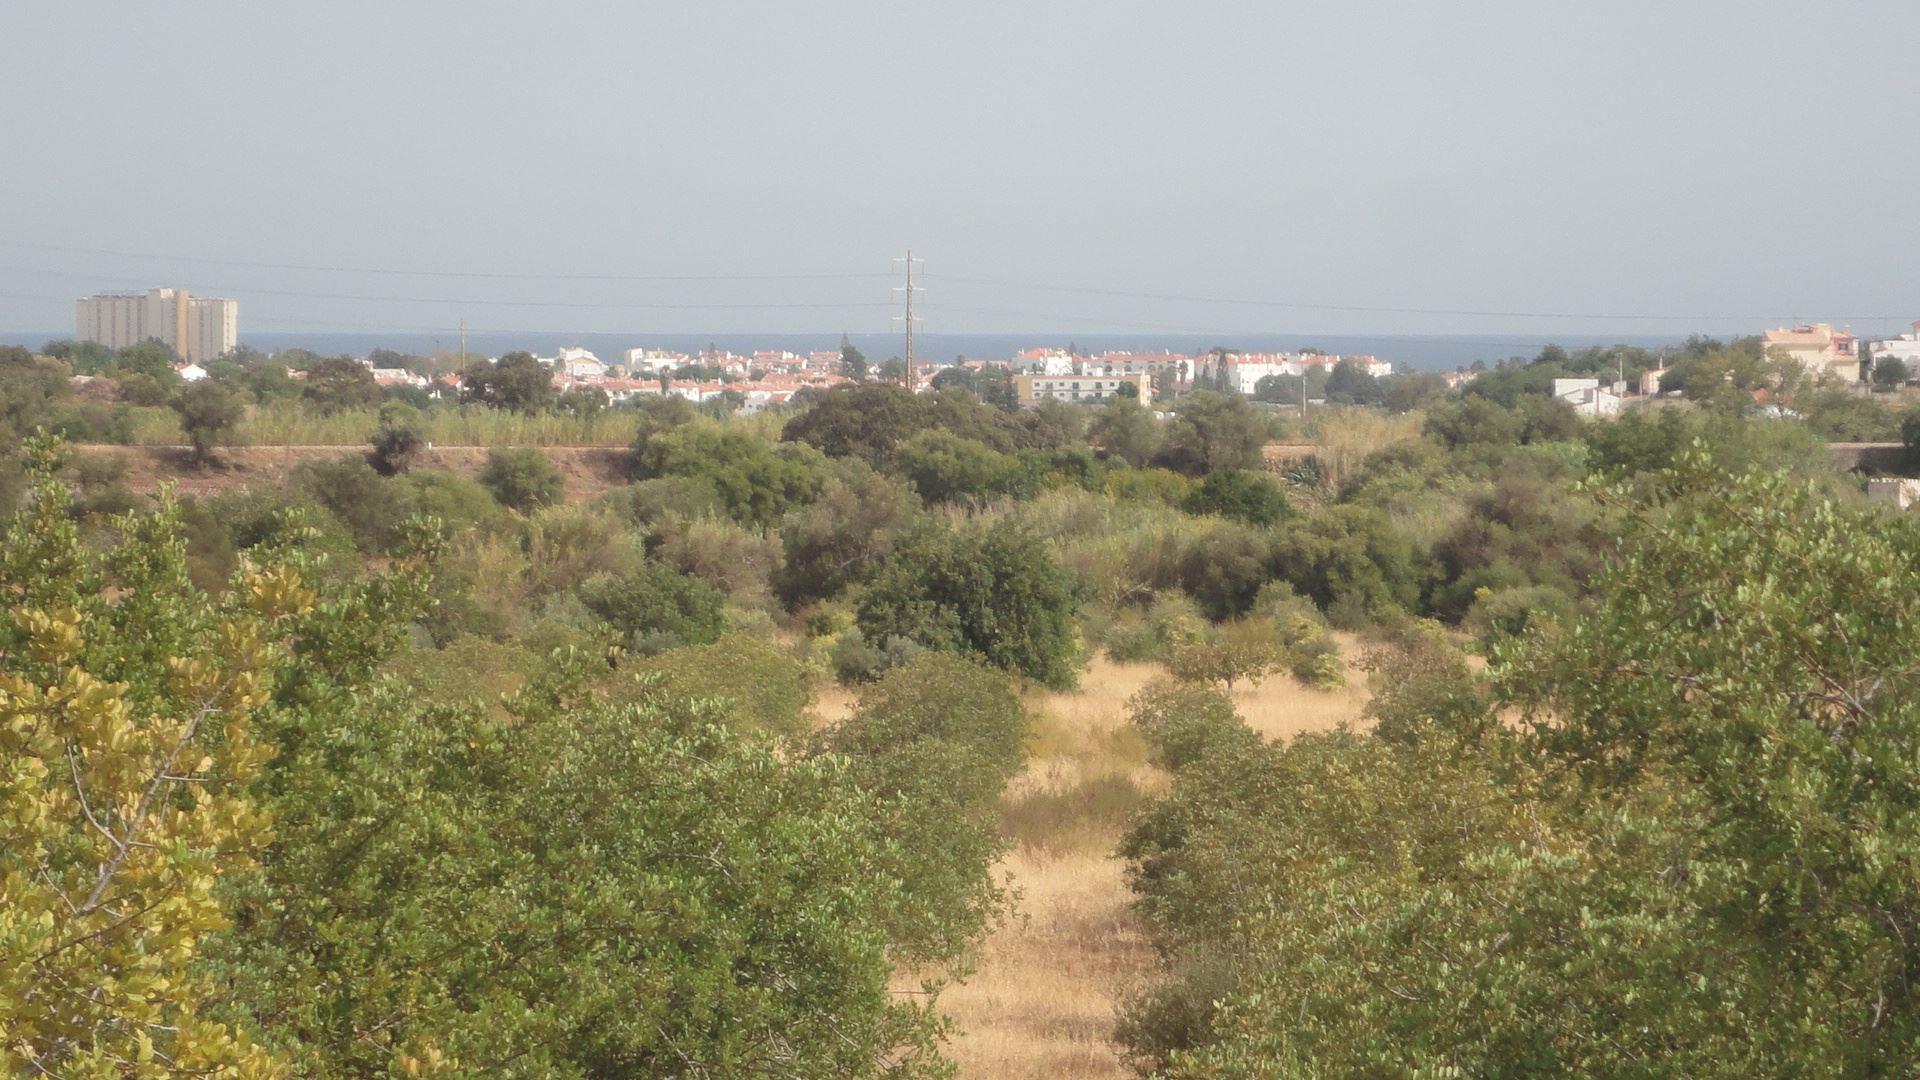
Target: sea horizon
<point x="1412" y="352"/>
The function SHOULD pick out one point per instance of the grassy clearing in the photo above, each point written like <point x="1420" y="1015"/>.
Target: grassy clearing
<point x="1042" y="1001"/>
<point x="1280" y="708"/>
<point x="1041" y="1004"/>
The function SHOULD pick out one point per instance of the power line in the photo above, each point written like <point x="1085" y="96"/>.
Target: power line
<point x="479" y="302"/>
<point x="1381" y="310"/>
<point x="1094" y="324"/>
<point x="394" y="272"/>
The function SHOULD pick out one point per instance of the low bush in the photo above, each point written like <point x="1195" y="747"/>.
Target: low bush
<point x="522" y="478"/>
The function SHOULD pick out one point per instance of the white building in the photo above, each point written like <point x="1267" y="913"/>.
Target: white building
<point x="1033" y="389"/>
<point x="1906" y="347"/>
<point x="1588" y="397"/>
<point x="197" y="328"/>
<point x="1242" y="372"/>
<point x="1817" y="347"/>
<point x="657" y="360"/>
<point x="1898" y="491"/>
<point x="1045" y="362"/>
<point x="393" y="376"/>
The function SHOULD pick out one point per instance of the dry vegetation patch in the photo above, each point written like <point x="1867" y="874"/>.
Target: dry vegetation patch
<point x="1043" y="1000"/>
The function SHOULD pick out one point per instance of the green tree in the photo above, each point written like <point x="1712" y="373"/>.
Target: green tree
<point x="585" y="402"/>
<point x="853" y="362"/>
<point x="30" y="390"/>
<point x="1409" y="390"/>
<point x="936" y="740"/>
<point x="208" y="414"/>
<point x="1213" y="431"/>
<point x="867" y="421"/>
<point x="1666" y="840"/>
<point x="340" y="383"/>
<point x="578" y="888"/>
<point x="658" y="413"/>
<point x="944" y="467"/>
<point x="1891" y="373"/>
<point x="516" y="382"/>
<point x="127" y="701"/>
<point x="1349" y="383"/>
<point x="149" y="358"/>
<point x="267" y="380"/>
<point x="1225" y="566"/>
<point x="997" y="593"/>
<point x="1281" y="389"/>
<point x="845" y="534"/>
<point x="1352" y="561"/>
<point x="1125" y="429"/>
<point x="398" y="440"/>
<point x="349" y="491"/>
<point x="756" y="481"/>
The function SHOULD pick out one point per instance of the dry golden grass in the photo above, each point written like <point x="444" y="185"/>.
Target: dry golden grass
<point x="1042" y="1001"/>
<point x="1347" y="436"/>
<point x="832" y="703"/>
<point x="1281" y="708"/>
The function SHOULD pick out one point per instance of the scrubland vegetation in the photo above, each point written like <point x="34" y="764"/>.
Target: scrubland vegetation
<point x="889" y="732"/>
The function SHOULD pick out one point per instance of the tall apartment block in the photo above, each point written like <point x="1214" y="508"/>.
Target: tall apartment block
<point x="198" y="328"/>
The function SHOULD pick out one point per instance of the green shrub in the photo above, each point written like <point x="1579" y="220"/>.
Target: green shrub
<point x="459" y="504"/>
<point x="1239" y="495"/>
<point x="1150" y="485"/>
<point x="741" y="563"/>
<point x="1499" y="614"/>
<point x="857" y="660"/>
<point x="372" y="508"/>
<point x="995" y="593"/>
<point x="943" y="467"/>
<point x="766" y="688"/>
<point x="935" y="741"/>
<point x="1183" y="721"/>
<point x="657" y="608"/>
<point x="522" y="478"/>
<point x="756" y="482"/>
<point x="844" y="535"/>
<point x="1224" y="568"/>
<point x="650" y="501"/>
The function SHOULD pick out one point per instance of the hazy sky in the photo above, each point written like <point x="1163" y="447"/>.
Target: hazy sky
<point x="1749" y="160"/>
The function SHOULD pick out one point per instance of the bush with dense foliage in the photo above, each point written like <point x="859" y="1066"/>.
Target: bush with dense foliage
<point x="522" y="478"/>
<point x="994" y="592"/>
<point x="1691" y="851"/>
<point x="656" y="607"/>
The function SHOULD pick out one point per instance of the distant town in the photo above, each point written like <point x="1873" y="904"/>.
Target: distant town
<point x="203" y="330"/>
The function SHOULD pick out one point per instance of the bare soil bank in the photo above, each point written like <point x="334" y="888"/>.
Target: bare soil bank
<point x="589" y="470"/>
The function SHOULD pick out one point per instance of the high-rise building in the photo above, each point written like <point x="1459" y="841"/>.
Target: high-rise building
<point x="199" y="328"/>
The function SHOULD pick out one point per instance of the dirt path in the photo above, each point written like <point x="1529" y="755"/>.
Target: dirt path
<point x="1042" y="1002"/>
